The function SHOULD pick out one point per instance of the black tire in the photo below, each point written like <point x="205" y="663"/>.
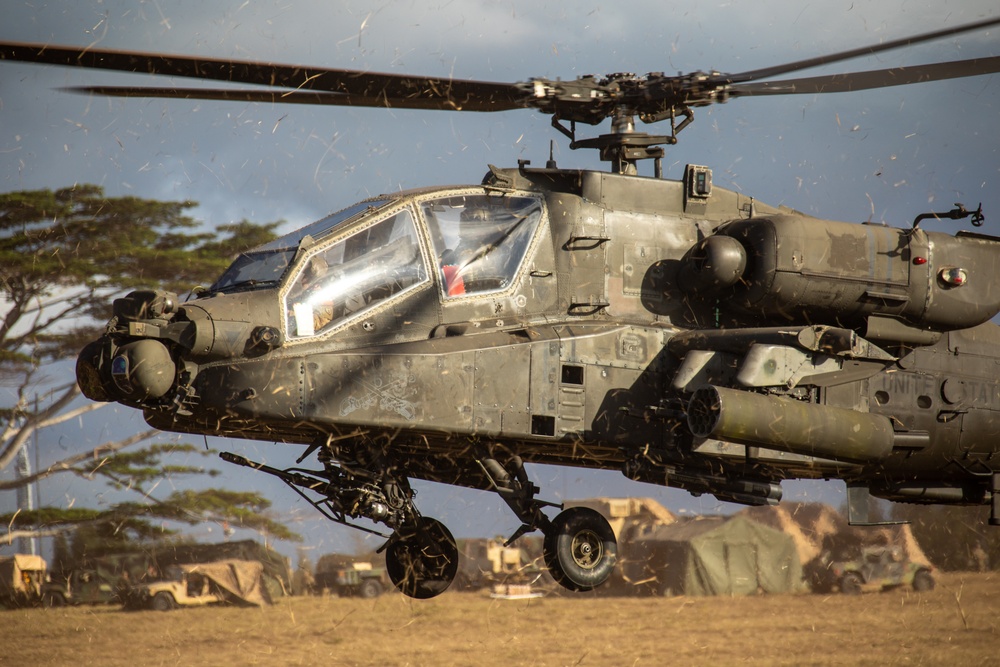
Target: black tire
<point x="850" y="584"/>
<point x="369" y="588"/>
<point x="162" y="601"/>
<point x="923" y="581"/>
<point x="422" y="559"/>
<point x="57" y="600"/>
<point x="580" y="549"/>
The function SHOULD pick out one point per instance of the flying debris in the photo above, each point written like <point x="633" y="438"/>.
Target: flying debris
<point x="679" y="332"/>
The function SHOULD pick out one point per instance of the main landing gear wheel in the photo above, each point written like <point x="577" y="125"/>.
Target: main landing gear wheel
<point x="422" y="559"/>
<point x="580" y="549"/>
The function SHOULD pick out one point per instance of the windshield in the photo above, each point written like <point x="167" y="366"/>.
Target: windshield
<point x="265" y="265"/>
<point x="480" y="240"/>
<point x="354" y="275"/>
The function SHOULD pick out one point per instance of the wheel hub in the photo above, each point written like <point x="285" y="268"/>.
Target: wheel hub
<point x="587" y="549"/>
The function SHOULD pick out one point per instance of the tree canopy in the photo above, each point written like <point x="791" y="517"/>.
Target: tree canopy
<point x="64" y="252"/>
<point x="64" y="255"/>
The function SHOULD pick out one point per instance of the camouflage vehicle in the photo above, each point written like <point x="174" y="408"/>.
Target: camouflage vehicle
<point x="200" y="584"/>
<point x="878" y="569"/>
<point x="21" y="577"/>
<point x="360" y="579"/>
<point x="118" y="569"/>
<point x="85" y="586"/>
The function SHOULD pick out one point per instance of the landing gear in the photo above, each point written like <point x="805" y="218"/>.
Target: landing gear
<point x="580" y="549"/>
<point x="422" y="558"/>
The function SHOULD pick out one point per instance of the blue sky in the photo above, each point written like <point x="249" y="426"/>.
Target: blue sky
<point x="884" y="155"/>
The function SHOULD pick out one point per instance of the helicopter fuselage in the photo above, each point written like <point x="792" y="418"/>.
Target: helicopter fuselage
<point x="682" y="333"/>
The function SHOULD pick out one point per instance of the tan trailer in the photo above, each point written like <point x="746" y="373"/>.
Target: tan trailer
<point x="21" y="578"/>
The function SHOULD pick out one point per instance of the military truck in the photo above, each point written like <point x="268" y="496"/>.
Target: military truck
<point x="351" y="575"/>
<point x="484" y="563"/>
<point x="878" y="569"/>
<point x="21" y="578"/>
<point x="200" y="584"/>
<point x="117" y="569"/>
<point x="358" y="579"/>
<point x="85" y="586"/>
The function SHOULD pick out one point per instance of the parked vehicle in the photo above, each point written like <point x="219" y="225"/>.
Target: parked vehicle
<point x="200" y="584"/>
<point x="21" y="578"/>
<point x="80" y="587"/>
<point x="880" y="568"/>
<point x="361" y="580"/>
<point x="486" y="563"/>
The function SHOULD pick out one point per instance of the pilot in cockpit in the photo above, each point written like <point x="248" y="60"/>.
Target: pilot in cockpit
<point x="309" y="296"/>
<point x="451" y="268"/>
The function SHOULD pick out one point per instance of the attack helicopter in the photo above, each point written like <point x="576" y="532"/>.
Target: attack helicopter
<point x="682" y="333"/>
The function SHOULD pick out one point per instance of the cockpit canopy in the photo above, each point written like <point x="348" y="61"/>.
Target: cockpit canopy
<point x="264" y="266"/>
<point x="480" y="240"/>
<point x="331" y="272"/>
<point x="354" y="274"/>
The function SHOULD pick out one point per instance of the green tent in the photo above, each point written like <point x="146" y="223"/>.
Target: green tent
<point x="717" y="556"/>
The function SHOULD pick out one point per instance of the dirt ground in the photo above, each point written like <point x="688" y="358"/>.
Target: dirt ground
<point x="957" y="624"/>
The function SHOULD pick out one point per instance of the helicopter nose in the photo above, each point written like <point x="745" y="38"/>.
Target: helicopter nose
<point x="143" y="369"/>
<point x="153" y="348"/>
<point x="137" y="371"/>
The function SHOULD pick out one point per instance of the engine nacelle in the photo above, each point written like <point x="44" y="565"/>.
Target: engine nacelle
<point x="803" y="269"/>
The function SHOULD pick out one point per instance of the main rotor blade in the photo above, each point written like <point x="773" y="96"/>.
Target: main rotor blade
<point x="766" y="72"/>
<point x="289" y="97"/>
<point x="448" y="93"/>
<point x="842" y="83"/>
<point x="585" y="99"/>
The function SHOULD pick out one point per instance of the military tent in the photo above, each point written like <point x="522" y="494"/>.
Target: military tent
<point x="717" y="556"/>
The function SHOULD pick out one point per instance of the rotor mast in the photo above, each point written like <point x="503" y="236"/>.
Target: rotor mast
<point x="624" y="147"/>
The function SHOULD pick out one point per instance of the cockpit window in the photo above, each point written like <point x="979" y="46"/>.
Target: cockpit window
<point x="480" y="240"/>
<point x="354" y="275"/>
<point x="265" y="265"/>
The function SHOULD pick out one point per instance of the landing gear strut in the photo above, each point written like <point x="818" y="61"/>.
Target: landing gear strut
<point x="580" y="549"/>
<point x="421" y="556"/>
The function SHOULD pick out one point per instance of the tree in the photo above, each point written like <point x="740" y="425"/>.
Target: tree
<point x="64" y="255"/>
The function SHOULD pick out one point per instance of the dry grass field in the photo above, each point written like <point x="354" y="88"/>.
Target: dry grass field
<point x="957" y="624"/>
